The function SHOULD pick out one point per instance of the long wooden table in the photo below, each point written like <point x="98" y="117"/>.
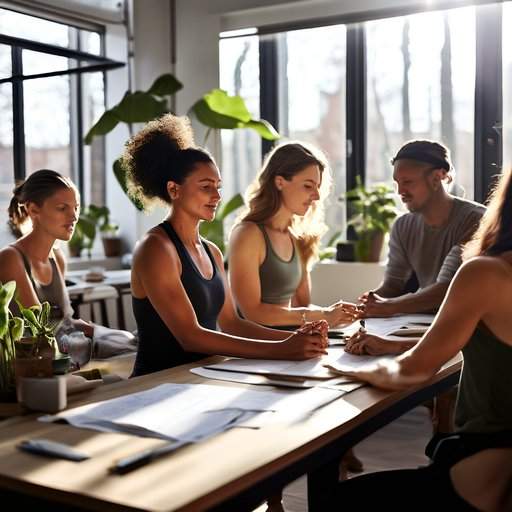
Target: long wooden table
<point x="235" y="470"/>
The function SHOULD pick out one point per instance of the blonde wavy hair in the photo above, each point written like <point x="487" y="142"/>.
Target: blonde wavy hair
<point x="264" y="199"/>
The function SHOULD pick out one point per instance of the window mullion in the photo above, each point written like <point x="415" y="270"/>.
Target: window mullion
<point x="488" y="99"/>
<point x="356" y="104"/>
<point x="18" y="117"/>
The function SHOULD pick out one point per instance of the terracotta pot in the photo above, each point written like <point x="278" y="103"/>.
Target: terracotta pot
<point x="112" y="246"/>
<point x="368" y="247"/>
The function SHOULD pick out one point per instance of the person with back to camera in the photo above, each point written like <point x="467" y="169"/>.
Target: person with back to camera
<point x="275" y="242"/>
<point x="425" y="244"/>
<point x="471" y="468"/>
<point x="179" y="289"/>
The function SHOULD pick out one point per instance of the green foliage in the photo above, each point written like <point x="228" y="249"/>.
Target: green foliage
<point x="137" y="107"/>
<point x="92" y="219"/>
<point x="120" y="174"/>
<point x="11" y="330"/>
<point x="35" y="319"/>
<point x="373" y="211"/>
<point x="215" y="109"/>
<point x="38" y="321"/>
<point x="374" y="208"/>
<point x="214" y="230"/>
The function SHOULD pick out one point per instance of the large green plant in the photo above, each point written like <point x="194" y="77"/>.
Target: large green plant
<point x="373" y="212"/>
<point x="215" y="109"/>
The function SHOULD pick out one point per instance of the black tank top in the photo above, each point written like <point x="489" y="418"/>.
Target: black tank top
<point x="158" y="348"/>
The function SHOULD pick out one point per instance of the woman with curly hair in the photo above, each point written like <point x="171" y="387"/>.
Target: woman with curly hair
<point x="180" y="292"/>
<point x="275" y="242"/>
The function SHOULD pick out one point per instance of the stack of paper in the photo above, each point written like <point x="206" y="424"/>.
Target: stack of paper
<point x="188" y="413"/>
<point x="309" y="369"/>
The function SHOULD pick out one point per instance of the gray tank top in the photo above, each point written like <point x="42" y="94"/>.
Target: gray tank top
<point x="279" y="279"/>
<point x="484" y="403"/>
<point x="54" y="292"/>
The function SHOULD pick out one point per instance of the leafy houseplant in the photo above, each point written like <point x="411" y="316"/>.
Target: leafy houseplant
<point x="35" y="353"/>
<point x="22" y="355"/>
<point x="215" y="109"/>
<point x="11" y="331"/>
<point x="374" y="211"/>
<point x="93" y="219"/>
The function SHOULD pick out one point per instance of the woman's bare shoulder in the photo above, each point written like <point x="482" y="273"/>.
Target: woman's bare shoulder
<point x="11" y="264"/>
<point x="485" y="275"/>
<point x="245" y="231"/>
<point x="155" y="244"/>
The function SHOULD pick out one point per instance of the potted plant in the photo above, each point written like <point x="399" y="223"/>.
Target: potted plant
<point x="215" y="109"/>
<point x="83" y="235"/>
<point x="27" y="342"/>
<point x="373" y="213"/>
<point x="37" y="349"/>
<point x="94" y="219"/>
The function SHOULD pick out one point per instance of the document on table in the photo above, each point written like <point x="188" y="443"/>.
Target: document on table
<point x="311" y="368"/>
<point x="400" y="327"/>
<point x="342" y="384"/>
<point x="188" y="413"/>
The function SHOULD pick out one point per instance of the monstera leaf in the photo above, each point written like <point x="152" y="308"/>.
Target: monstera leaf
<point x="216" y="109"/>
<point x="137" y="107"/>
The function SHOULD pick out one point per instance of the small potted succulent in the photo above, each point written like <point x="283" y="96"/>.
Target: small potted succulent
<point x="37" y="354"/>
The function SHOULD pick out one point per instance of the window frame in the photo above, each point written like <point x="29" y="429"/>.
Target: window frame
<point x="488" y="150"/>
<point x="85" y="63"/>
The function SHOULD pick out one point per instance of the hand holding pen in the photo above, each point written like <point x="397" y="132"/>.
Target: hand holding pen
<point x="319" y="327"/>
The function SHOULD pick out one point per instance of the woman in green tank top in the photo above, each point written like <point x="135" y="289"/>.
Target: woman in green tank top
<point x="474" y="318"/>
<point x="275" y="242"/>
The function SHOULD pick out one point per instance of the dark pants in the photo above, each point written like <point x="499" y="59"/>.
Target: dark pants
<point x="413" y="490"/>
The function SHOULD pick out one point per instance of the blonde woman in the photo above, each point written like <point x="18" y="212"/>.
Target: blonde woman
<point x="275" y="243"/>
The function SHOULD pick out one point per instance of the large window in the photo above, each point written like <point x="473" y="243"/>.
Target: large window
<point x="418" y="90"/>
<point x="312" y="101"/>
<point x="43" y="119"/>
<point x="241" y="149"/>
<point x="412" y="76"/>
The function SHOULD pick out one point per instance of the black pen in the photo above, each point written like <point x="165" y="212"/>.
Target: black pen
<point x="362" y="323"/>
<point x="127" y="464"/>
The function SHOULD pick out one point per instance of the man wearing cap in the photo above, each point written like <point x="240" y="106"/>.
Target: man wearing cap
<point x="425" y="244"/>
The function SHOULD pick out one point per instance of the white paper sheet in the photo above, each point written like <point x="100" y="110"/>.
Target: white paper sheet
<point x="343" y="384"/>
<point x="394" y="324"/>
<point x="311" y="368"/>
<point x="190" y="412"/>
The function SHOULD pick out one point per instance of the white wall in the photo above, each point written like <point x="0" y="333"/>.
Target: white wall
<point x="334" y="280"/>
<point x="152" y="57"/>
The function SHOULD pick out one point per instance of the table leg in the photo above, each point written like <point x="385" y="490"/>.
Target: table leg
<point x="321" y="485"/>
